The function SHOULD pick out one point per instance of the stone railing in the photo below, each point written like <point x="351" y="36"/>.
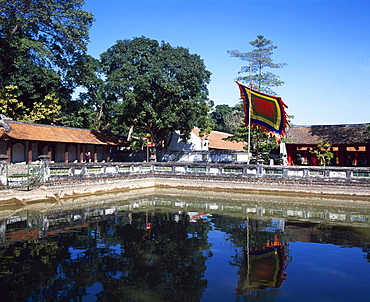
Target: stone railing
<point x="89" y="170"/>
<point x="61" y="172"/>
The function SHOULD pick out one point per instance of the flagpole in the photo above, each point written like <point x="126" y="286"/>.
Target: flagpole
<point x="250" y="107"/>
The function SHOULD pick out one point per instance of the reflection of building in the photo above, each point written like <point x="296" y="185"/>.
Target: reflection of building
<point x="194" y="216"/>
<point x="263" y="267"/>
<point x="350" y="144"/>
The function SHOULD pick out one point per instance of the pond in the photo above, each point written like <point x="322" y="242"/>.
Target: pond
<point x="186" y="245"/>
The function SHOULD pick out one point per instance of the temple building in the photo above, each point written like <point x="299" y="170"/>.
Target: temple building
<point x="207" y="142"/>
<point x="350" y="144"/>
<point x="25" y="142"/>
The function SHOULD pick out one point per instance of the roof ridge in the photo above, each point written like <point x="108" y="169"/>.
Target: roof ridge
<point x="331" y="125"/>
<point x="54" y="126"/>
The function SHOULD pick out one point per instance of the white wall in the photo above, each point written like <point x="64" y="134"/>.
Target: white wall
<point x="18" y="154"/>
<point x="194" y="143"/>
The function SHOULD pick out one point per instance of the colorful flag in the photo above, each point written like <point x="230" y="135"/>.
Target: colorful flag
<point x="267" y="111"/>
<point x="150" y="142"/>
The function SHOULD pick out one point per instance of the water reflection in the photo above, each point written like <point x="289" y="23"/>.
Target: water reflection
<point x="171" y="246"/>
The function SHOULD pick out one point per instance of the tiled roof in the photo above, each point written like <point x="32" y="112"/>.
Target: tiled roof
<point x="47" y="133"/>
<point x="332" y="134"/>
<point x="216" y="141"/>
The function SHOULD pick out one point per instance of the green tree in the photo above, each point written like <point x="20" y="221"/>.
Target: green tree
<point x="260" y="59"/>
<point x="218" y="116"/>
<point x="44" y="110"/>
<point x="39" y="42"/>
<point x="235" y="119"/>
<point x="322" y="153"/>
<point x="157" y="88"/>
<point x="261" y="141"/>
<point x="94" y="108"/>
<point x="10" y="106"/>
<point x="227" y="119"/>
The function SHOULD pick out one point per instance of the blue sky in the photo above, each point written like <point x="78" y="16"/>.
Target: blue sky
<point x="326" y="44"/>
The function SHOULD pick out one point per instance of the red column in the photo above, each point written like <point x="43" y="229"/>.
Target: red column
<point x="9" y="152"/>
<point x="29" y="152"/>
<point x="342" y="156"/>
<point x="66" y="153"/>
<point x="83" y="152"/>
<point x="95" y="154"/>
<point x="355" y="159"/>
<point x="290" y="150"/>
<point x="108" y="149"/>
<point x="80" y="154"/>
<point x="50" y="152"/>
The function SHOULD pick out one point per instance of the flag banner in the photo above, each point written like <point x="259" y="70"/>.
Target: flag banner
<point x="149" y="142"/>
<point x="265" y="110"/>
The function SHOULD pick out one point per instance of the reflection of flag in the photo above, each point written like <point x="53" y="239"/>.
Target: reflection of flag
<point x="150" y="141"/>
<point x="267" y="111"/>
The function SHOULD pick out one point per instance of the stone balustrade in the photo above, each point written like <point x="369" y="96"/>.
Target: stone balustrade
<point x="89" y="170"/>
<point x="60" y="173"/>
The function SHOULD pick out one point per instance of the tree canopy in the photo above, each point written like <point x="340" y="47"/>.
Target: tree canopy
<point x="156" y="88"/>
<point x="39" y="42"/>
<point x="260" y="59"/>
<point x="228" y="119"/>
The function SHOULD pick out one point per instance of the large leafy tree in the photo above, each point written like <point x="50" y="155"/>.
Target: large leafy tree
<point x="227" y="118"/>
<point x="39" y="41"/>
<point x="260" y="60"/>
<point x="218" y="116"/>
<point x="157" y="88"/>
<point x="92" y="109"/>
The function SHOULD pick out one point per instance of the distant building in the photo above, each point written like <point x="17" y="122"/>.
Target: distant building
<point x="25" y="142"/>
<point x="207" y="142"/>
<point x="350" y="144"/>
<point x="207" y="148"/>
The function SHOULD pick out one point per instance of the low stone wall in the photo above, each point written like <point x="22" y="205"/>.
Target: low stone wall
<point x="360" y="175"/>
<point x="95" y="177"/>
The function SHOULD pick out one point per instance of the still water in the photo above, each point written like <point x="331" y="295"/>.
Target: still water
<point x="183" y="245"/>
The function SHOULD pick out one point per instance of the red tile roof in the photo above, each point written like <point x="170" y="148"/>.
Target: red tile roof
<point x="47" y="133"/>
<point x="216" y="141"/>
<point x="332" y="134"/>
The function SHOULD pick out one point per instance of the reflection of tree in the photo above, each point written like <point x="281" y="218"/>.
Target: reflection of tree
<point x="163" y="263"/>
<point x="25" y="266"/>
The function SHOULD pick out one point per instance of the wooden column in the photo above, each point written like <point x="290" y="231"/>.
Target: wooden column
<point x="342" y="156"/>
<point x="66" y="153"/>
<point x="28" y="152"/>
<point x="9" y="152"/>
<point x="80" y="154"/>
<point x="50" y="152"/>
<point x="95" y="158"/>
<point x="292" y="153"/>
<point x="355" y="159"/>
<point x="108" y="148"/>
